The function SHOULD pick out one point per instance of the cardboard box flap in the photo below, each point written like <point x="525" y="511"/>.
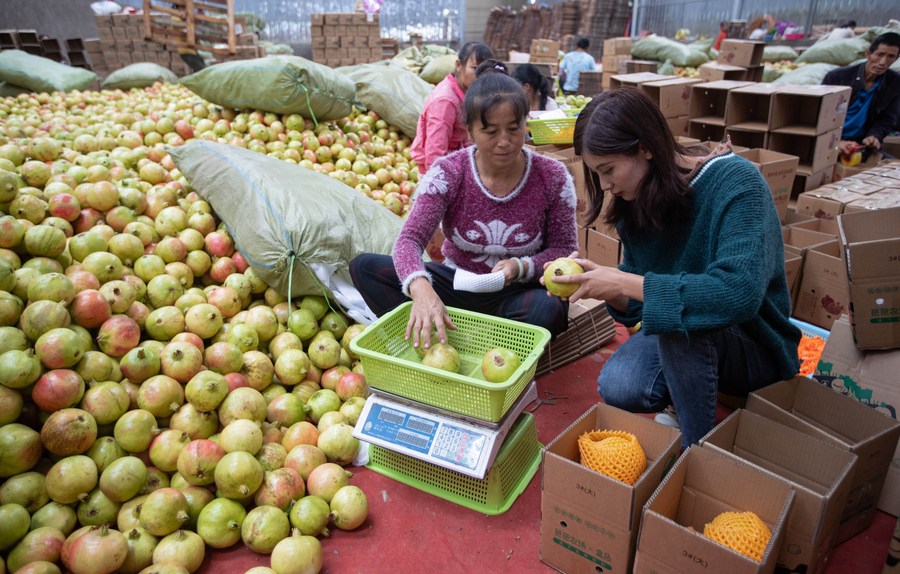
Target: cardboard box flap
<point x="871" y="243"/>
<point x="599" y="494"/>
<point x="819" y="471"/>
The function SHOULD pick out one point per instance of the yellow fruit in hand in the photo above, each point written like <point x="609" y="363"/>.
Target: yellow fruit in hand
<point x="852" y="159"/>
<point x="562" y="266"/>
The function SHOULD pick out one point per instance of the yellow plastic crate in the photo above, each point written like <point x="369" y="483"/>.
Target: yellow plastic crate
<point x="391" y="364"/>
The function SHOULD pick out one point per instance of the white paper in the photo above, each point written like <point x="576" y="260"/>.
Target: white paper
<point x="488" y="283"/>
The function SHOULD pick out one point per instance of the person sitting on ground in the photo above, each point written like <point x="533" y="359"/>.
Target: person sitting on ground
<point x="874" y="110"/>
<point x="504" y="209"/>
<point x="703" y="268"/>
<point x="538" y="88"/>
<point x="574" y="63"/>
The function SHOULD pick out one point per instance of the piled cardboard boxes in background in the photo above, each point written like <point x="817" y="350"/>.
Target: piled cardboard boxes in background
<point x="739" y="60"/>
<point x="121" y="43"/>
<point x="351" y="38"/>
<point x="616" y="51"/>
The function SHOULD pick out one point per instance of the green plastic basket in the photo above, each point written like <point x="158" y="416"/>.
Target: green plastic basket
<point x="514" y="467"/>
<point x="391" y="364"/>
<point x="552" y="131"/>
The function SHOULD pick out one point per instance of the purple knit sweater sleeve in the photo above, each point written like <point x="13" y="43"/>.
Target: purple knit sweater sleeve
<point x="535" y="222"/>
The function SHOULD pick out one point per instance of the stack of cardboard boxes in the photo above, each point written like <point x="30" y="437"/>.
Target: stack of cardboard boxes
<point x="616" y="51"/>
<point x="121" y="43"/>
<point x="345" y="39"/>
<point x="739" y="60"/>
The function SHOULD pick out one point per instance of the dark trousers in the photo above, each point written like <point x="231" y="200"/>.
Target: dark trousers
<point x="376" y="278"/>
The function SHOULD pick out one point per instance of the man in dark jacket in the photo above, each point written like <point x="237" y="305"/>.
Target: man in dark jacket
<point x="874" y="107"/>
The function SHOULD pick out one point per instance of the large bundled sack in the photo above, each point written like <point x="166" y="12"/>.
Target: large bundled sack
<point x="431" y="62"/>
<point x="297" y="228"/>
<point x="437" y="69"/>
<point x="11" y="91"/>
<point x="771" y="73"/>
<point x="661" y="49"/>
<point x="810" y="74"/>
<point x="395" y="94"/>
<point x="138" y="75"/>
<point x="704" y="45"/>
<point x="42" y="74"/>
<point x="837" y="52"/>
<point x="778" y="53"/>
<point x="279" y="84"/>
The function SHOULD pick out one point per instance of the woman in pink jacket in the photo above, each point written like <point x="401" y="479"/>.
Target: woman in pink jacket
<point x="441" y="129"/>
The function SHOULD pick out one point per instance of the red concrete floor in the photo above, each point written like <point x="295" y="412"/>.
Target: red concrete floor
<point x="412" y="532"/>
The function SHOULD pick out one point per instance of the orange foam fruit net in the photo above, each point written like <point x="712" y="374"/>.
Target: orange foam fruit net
<point x="743" y="532"/>
<point x="617" y="454"/>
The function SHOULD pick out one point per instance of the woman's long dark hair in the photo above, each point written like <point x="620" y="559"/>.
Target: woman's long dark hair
<point x="529" y="74"/>
<point x="621" y="122"/>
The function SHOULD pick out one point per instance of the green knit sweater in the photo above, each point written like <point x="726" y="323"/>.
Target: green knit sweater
<point x="723" y="267"/>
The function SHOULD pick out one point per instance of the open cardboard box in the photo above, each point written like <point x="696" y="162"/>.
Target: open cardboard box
<point x="823" y="293"/>
<point x="716" y="71"/>
<point x="819" y="472"/>
<point x="871" y="254"/>
<point x="820" y="225"/>
<point x="589" y="521"/>
<point x="709" y="101"/>
<point x="825" y="202"/>
<point x="746" y="53"/>
<point x="809" y="110"/>
<point x="816" y="152"/>
<point x="870" y="377"/>
<point x="793" y="267"/>
<point x="575" y="166"/>
<point x="804" y="181"/>
<point x="673" y="97"/>
<point x="747" y="138"/>
<point x="779" y="170"/>
<point x="636" y="79"/>
<point x="701" y="485"/>
<point x="804" y="404"/>
<point x="749" y="108"/>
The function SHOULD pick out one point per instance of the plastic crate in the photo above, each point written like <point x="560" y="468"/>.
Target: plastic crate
<point x="552" y="131"/>
<point x="516" y="463"/>
<point x="392" y="365"/>
<point x="810" y="330"/>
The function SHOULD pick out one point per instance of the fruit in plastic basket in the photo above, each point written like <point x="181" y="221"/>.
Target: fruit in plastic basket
<point x="442" y="356"/>
<point x="562" y="266"/>
<point x="743" y="532"/>
<point x="421" y="349"/>
<point x="499" y="364"/>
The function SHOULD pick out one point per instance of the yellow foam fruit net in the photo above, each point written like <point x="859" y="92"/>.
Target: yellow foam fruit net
<point x="617" y="454"/>
<point x="743" y="532"/>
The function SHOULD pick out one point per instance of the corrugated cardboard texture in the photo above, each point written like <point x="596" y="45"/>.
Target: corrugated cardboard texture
<point x="809" y="110"/>
<point x="823" y="293"/>
<point x="672" y="96"/>
<point x="703" y="484"/>
<point x="744" y="53"/>
<point x="820" y="473"/>
<point x="779" y="170"/>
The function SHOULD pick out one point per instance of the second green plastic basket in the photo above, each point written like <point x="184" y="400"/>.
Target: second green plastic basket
<point x="391" y="364"/>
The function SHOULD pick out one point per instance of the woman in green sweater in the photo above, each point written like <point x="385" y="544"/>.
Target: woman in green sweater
<point x="703" y="268"/>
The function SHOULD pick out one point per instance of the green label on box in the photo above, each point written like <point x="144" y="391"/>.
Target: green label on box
<point x="582" y="553"/>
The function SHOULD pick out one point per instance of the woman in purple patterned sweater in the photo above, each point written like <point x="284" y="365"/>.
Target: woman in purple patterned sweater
<point x="505" y="212"/>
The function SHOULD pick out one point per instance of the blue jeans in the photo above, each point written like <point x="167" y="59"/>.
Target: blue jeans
<point x="377" y="281"/>
<point x="649" y="372"/>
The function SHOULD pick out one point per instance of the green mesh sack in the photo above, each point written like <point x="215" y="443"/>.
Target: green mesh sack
<point x="438" y="68"/>
<point x="138" y="75"/>
<point x="837" y="52"/>
<point x="778" y="53"/>
<point x="397" y="95"/>
<point x="8" y="90"/>
<point x="770" y="74"/>
<point x="42" y="74"/>
<point x="702" y="45"/>
<point x="436" y="50"/>
<point x="666" y="68"/>
<point x="279" y="84"/>
<point x="810" y="74"/>
<point x="297" y="228"/>
<point x="410" y="59"/>
<point x="661" y="49"/>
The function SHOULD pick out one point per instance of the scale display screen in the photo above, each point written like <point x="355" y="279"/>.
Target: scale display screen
<point x="455" y="444"/>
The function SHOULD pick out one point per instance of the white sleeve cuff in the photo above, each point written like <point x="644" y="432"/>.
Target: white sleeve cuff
<point x="529" y="275"/>
<point x="412" y="277"/>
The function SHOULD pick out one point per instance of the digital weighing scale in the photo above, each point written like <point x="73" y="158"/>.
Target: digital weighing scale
<point x="437" y="436"/>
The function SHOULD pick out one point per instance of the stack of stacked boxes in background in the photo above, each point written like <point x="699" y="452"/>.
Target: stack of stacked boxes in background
<point x="122" y="43"/>
<point x="30" y="42"/>
<point x="345" y="39"/>
<point x="615" y="52"/>
<point x="673" y="98"/>
<point x="76" y="52"/>
<point x="590" y="83"/>
<point x="707" y="113"/>
<point x="52" y="49"/>
<point x="247" y="48"/>
<point x="94" y="51"/>
<point x="545" y="52"/>
<point x="739" y="60"/>
<point x="9" y="40"/>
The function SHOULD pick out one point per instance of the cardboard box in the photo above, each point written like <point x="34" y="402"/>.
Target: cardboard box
<point x="804" y="404"/>
<point x="793" y="267"/>
<point x="819" y="224"/>
<point x="673" y="97"/>
<point x="748" y="108"/>
<point x="714" y="71"/>
<point x="701" y="485"/>
<point x="614" y="64"/>
<point x="582" y="240"/>
<point x="825" y="202"/>
<point x="871" y="253"/>
<point x="842" y="171"/>
<point x="544" y="50"/>
<point x="749" y="139"/>
<point x="639" y="66"/>
<point x="819" y="472"/>
<point x="573" y="163"/>
<point x="809" y="181"/>
<point x="870" y="377"/>
<point x="856" y="185"/>
<point x="709" y="100"/>
<point x="823" y="293"/>
<point x="885" y="199"/>
<point x="617" y="46"/>
<point x="588" y="520"/>
<point x="779" y="170"/>
<point x="816" y="152"/>
<point x="745" y="53"/>
<point x="706" y="130"/>
<point x="679" y="127"/>
<point x="636" y="79"/>
<point x="603" y="249"/>
<point x="793" y="217"/>
<point x="809" y="110"/>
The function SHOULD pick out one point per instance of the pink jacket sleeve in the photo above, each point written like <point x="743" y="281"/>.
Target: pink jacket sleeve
<point x="439" y="124"/>
<point x="436" y="188"/>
